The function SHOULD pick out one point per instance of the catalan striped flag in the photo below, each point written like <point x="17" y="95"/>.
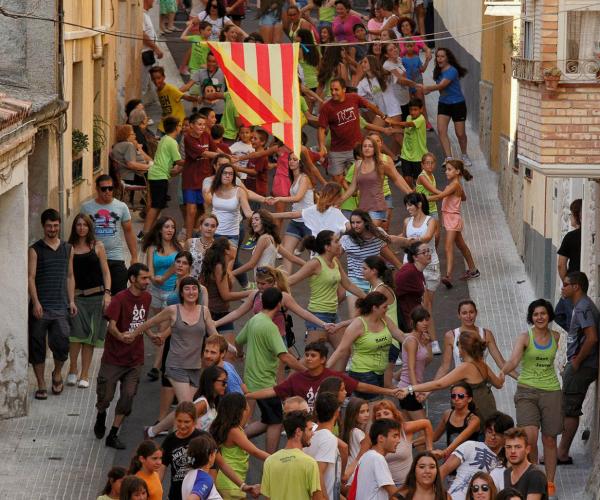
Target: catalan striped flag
<point x="262" y="80"/>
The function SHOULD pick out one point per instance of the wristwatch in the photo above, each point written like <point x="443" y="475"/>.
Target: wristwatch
<point x="410" y="389"/>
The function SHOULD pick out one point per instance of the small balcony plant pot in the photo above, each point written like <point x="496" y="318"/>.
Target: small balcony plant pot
<point x="551" y="78"/>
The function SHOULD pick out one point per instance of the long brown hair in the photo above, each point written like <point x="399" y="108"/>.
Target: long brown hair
<point x="329" y="193"/>
<point x="411" y="479"/>
<point x="379" y="165"/>
<point x="90" y="238"/>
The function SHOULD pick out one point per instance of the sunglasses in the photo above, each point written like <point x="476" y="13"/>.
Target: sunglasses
<point x="476" y="487"/>
<point x="458" y="396"/>
<point x="104" y="189"/>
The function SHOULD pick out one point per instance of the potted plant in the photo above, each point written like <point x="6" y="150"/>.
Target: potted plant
<point x="98" y="140"/>
<point x="552" y="77"/>
<point x="79" y="143"/>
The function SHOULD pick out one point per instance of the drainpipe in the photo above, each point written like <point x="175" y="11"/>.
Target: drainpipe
<point x="97" y="24"/>
<point x="60" y="63"/>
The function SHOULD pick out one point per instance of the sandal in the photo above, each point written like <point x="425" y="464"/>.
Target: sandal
<point x="57" y="386"/>
<point x="447" y="283"/>
<point x="41" y="394"/>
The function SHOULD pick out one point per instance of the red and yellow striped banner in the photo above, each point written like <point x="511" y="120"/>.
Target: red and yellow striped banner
<point x="262" y="80"/>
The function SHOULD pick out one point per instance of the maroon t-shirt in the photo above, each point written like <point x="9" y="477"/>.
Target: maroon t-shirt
<point x="410" y="287"/>
<point x="260" y="182"/>
<point x="196" y="168"/>
<point x="306" y="386"/>
<point x="129" y="312"/>
<point x="343" y="120"/>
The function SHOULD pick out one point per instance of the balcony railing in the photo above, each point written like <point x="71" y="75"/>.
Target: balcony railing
<point x="527" y="69"/>
<point x="582" y="70"/>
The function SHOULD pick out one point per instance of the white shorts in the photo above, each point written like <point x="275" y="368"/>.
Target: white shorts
<point x="432" y="276"/>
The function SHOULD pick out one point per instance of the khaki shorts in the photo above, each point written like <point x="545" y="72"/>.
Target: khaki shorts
<point x="575" y="386"/>
<point x="432" y="277"/>
<point x="338" y="161"/>
<point x="539" y="408"/>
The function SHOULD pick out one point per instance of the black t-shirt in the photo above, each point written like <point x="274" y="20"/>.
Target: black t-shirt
<point x="175" y="455"/>
<point x="571" y="249"/>
<point x="532" y="481"/>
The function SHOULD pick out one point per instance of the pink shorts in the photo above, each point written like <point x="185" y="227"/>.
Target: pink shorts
<point x="281" y="185"/>
<point x="452" y="221"/>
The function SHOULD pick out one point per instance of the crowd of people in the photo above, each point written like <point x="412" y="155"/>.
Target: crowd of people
<point x="353" y="405"/>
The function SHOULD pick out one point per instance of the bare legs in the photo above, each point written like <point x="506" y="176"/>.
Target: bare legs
<point x="459" y="129"/>
<point x="452" y="238"/>
<point x="87" y="353"/>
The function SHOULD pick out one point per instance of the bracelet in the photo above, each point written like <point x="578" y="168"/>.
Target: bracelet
<point x="242" y="486"/>
<point x="107" y="291"/>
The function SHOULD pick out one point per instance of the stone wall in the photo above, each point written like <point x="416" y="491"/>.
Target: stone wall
<point x="486" y="111"/>
<point x="510" y="191"/>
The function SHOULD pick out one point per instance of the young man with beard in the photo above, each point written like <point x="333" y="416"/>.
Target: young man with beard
<point x="215" y="348"/>
<point x="290" y="473"/>
<point x="473" y="456"/>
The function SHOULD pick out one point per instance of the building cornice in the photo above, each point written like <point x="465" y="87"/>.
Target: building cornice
<point x="566" y="170"/>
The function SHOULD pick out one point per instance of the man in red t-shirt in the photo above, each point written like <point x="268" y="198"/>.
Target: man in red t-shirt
<point x="123" y="356"/>
<point x="199" y="151"/>
<point x="306" y="384"/>
<point x="341" y="115"/>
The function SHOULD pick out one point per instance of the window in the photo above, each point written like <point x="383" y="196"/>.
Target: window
<point x="582" y="44"/>
<point x="528" y="34"/>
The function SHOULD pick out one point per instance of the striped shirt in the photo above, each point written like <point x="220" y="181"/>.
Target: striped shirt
<point x="356" y="254"/>
<point x="51" y="275"/>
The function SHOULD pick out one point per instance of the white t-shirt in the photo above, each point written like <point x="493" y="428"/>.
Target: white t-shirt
<point x="323" y="448"/>
<point x="387" y="100"/>
<point x="474" y="456"/>
<point x="356" y="437"/>
<point x="373" y="475"/>
<point x="400" y="90"/>
<point x="240" y="148"/>
<point x="217" y="24"/>
<point x="332" y="219"/>
<point x="148" y="31"/>
<point x="498" y="477"/>
<point x="202" y="481"/>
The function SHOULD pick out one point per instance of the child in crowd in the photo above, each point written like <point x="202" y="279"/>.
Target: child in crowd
<point x="242" y="147"/>
<point x="112" y="489"/>
<point x="426" y="184"/>
<point x="361" y="51"/>
<point x="145" y="464"/>
<point x="200" y="48"/>
<point x="198" y="484"/>
<point x="414" y="71"/>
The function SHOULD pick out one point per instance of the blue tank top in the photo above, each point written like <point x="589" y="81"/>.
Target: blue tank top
<point x="161" y="264"/>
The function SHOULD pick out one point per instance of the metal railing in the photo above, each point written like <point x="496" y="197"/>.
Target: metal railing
<point x="582" y="70"/>
<point x="527" y="69"/>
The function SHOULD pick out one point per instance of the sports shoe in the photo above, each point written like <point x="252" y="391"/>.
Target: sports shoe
<point x="429" y="126"/>
<point x="447" y="283"/>
<point x="466" y="160"/>
<point x="551" y="489"/>
<point x="435" y="348"/>
<point x="249" y="244"/>
<point x="71" y="379"/>
<point x="83" y="384"/>
<point x="100" y="425"/>
<point x="113" y="441"/>
<point x="140" y="236"/>
<point x="153" y="374"/>
<point x="468" y="275"/>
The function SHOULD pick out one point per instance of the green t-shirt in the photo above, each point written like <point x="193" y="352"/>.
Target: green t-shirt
<point x="199" y="53"/>
<point x="290" y="474"/>
<point x="423" y="190"/>
<point x="264" y="345"/>
<point x="228" y="118"/>
<point x="167" y="153"/>
<point x="352" y="202"/>
<point x="414" y="145"/>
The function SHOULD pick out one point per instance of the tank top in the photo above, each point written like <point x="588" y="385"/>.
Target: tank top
<point x="227" y="211"/>
<point x="269" y="255"/>
<point x="399" y="461"/>
<point x="386" y="182"/>
<point x="186" y="342"/>
<point x="423" y="190"/>
<point x="51" y="275"/>
<point x="451" y="204"/>
<point x="421" y="362"/>
<point x="278" y="319"/>
<point x="455" y="354"/>
<point x="370" y="350"/>
<point x="197" y="250"/>
<point x="237" y="459"/>
<point x="370" y="188"/>
<point x="418" y="232"/>
<point x="217" y="304"/>
<point x="161" y="265"/>
<point x="87" y="271"/>
<point x="308" y="200"/>
<point x="323" y="288"/>
<point x="392" y="310"/>
<point x="203" y="421"/>
<point x="452" y="431"/>
<point x="537" y="365"/>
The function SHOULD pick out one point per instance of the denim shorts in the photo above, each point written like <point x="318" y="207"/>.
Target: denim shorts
<point x="297" y="229"/>
<point x="393" y="353"/>
<point x="233" y="239"/>
<point x="364" y="285"/>
<point x="368" y="378"/>
<point x="378" y="214"/>
<point x="269" y="19"/>
<point x="323" y="316"/>
<point x="389" y="201"/>
<point x="159" y="297"/>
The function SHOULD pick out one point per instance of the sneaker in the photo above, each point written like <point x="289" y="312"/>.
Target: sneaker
<point x="113" y="441"/>
<point x="83" y="384"/>
<point x="469" y="275"/>
<point x="100" y="425"/>
<point x="249" y="244"/>
<point x="140" y="236"/>
<point x="447" y="283"/>
<point x="399" y="361"/>
<point x="551" y="489"/>
<point x="435" y="348"/>
<point x="466" y="160"/>
<point x="429" y="126"/>
<point x="146" y="433"/>
<point x="153" y="374"/>
<point x="71" y="379"/>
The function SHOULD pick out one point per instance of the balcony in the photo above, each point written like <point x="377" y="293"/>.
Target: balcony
<point x="527" y="69"/>
<point x="581" y="70"/>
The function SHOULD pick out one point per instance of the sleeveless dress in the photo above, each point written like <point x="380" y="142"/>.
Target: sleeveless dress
<point x="451" y="217"/>
<point x="197" y="251"/>
<point x="483" y="397"/>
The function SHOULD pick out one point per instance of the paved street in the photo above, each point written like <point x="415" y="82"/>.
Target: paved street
<point x="52" y="453"/>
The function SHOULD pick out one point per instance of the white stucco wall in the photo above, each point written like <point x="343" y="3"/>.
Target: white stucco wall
<point x="463" y="21"/>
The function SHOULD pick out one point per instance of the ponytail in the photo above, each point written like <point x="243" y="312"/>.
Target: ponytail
<point x="460" y="166"/>
<point x="317" y="244"/>
<point x="146" y="449"/>
<point x="373" y="299"/>
<point x="384" y="273"/>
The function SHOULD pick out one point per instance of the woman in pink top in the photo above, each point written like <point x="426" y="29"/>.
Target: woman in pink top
<point x="344" y="21"/>
<point x="416" y="355"/>
<point x="452" y="197"/>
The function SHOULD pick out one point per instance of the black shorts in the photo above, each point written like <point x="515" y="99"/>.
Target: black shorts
<point x="118" y="276"/>
<point x="405" y="112"/>
<point x="410" y="403"/>
<point x="575" y="386"/>
<point x="411" y="168"/>
<point x="53" y="326"/>
<point x="237" y="17"/>
<point x="158" y="193"/>
<point x="164" y="381"/>
<point x="271" y="411"/>
<point x="457" y="111"/>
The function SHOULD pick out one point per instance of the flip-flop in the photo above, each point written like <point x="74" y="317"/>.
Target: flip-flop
<point x="568" y="461"/>
<point x="57" y="386"/>
<point x="41" y="394"/>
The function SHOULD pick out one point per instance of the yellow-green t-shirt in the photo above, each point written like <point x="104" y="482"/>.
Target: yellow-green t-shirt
<point x="167" y="153"/>
<point x="290" y="474"/>
<point x="414" y="144"/>
<point x="170" y="102"/>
